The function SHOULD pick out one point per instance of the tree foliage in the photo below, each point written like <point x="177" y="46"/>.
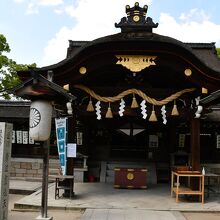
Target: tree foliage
<point x="8" y="69"/>
<point x="218" y="52"/>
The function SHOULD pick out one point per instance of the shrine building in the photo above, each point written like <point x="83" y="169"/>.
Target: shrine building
<point x="141" y="100"/>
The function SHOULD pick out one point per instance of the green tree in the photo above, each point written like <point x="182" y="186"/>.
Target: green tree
<point x="218" y="52"/>
<point x="8" y="69"/>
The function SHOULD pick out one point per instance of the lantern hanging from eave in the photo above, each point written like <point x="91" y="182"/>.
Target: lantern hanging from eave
<point x="40" y="120"/>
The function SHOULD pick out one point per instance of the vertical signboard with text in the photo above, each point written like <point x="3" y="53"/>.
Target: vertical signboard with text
<point x="5" y="155"/>
<point x="61" y="124"/>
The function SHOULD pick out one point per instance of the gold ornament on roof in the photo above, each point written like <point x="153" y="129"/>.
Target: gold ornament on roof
<point x="66" y="87"/>
<point x="136" y="63"/>
<point x="136" y="18"/>
<point x="204" y="90"/>
<point x="188" y="72"/>
<point x="82" y="70"/>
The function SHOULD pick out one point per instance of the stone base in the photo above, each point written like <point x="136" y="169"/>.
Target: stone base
<point x="42" y="218"/>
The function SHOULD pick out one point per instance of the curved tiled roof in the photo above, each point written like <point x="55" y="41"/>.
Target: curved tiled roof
<point x="203" y="52"/>
<point x="136" y="28"/>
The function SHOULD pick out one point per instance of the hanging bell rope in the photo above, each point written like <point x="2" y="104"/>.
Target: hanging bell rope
<point x="134" y="91"/>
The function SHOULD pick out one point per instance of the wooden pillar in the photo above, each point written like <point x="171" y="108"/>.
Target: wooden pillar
<point x="195" y="144"/>
<point x="44" y="196"/>
<point x="172" y="141"/>
<point x="71" y="138"/>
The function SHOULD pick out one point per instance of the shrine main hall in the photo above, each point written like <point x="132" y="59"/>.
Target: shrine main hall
<point x="139" y="100"/>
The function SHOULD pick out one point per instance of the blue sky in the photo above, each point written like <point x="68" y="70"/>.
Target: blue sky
<point x="38" y="30"/>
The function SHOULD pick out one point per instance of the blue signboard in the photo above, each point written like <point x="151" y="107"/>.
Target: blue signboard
<point x="61" y="147"/>
<point x="61" y="142"/>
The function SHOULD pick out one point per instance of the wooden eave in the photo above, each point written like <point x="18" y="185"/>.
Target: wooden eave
<point x="38" y="87"/>
<point x="14" y="109"/>
<point x="133" y="43"/>
<point x="212" y="99"/>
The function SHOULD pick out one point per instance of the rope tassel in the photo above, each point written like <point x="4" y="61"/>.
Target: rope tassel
<point x="175" y="110"/>
<point x="90" y="107"/>
<point x="153" y="116"/>
<point x="109" y="112"/>
<point x="134" y="103"/>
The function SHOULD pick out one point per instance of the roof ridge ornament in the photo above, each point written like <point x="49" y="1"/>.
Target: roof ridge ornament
<point x="136" y="20"/>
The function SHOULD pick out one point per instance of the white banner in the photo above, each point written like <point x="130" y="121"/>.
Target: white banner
<point x="31" y="140"/>
<point x="25" y="137"/>
<point x="61" y="142"/>
<point x="19" y="137"/>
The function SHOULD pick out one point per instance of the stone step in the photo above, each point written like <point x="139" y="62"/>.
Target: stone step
<point x="110" y="173"/>
<point x="109" y="179"/>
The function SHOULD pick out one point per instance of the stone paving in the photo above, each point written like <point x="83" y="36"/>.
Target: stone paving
<point x="104" y="196"/>
<point x="130" y="214"/>
<point x="23" y="187"/>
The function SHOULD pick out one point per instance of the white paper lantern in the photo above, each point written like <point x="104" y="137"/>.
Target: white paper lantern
<point x="40" y="120"/>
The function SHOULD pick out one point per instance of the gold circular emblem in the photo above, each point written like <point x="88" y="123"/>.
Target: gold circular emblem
<point x="82" y="70"/>
<point x="136" y="60"/>
<point x="188" y="72"/>
<point x="136" y="18"/>
<point x="130" y="176"/>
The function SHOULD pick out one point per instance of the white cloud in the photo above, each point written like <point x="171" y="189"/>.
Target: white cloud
<point x="56" y="48"/>
<point x="92" y="23"/>
<point x="50" y="2"/>
<point x="58" y="11"/>
<point x="94" y="19"/>
<point x="32" y="9"/>
<point x="19" y="1"/>
<point x="192" y="27"/>
<point x="195" y="15"/>
<point x="33" y="5"/>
